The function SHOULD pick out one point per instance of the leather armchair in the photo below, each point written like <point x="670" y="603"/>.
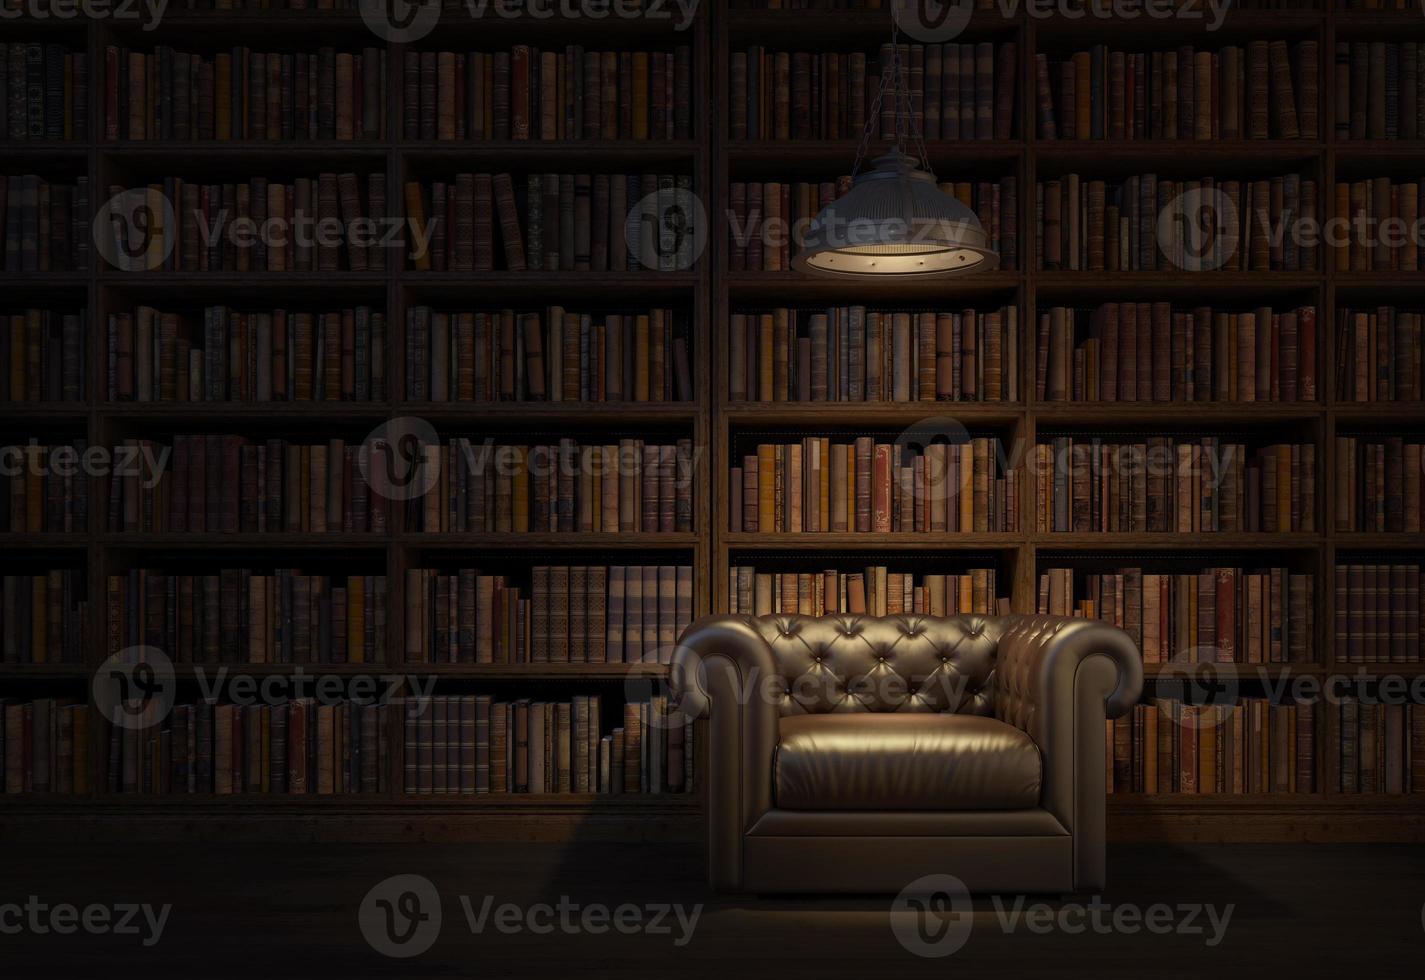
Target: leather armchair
<point x="856" y="754"/>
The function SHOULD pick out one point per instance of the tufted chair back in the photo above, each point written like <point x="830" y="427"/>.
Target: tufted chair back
<point x="880" y="664"/>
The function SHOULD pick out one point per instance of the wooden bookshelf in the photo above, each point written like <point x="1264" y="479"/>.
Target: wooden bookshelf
<point x="710" y="292"/>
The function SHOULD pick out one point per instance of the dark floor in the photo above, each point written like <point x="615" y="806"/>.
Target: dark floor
<point x="272" y="912"/>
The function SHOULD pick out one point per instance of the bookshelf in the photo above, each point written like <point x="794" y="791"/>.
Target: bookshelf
<point x="709" y="293"/>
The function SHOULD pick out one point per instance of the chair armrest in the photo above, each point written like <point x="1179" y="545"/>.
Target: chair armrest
<point x="723" y="669"/>
<point x="1058" y="679"/>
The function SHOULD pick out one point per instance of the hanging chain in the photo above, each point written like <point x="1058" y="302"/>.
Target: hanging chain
<point x="904" y="114"/>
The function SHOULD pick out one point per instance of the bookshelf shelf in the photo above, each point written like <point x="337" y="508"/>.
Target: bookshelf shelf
<point x="1084" y="413"/>
<point x="537" y="414"/>
<point x="277" y="541"/>
<point x="898" y="541"/>
<point x="1091" y="153"/>
<point x="869" y="414"/>
<point x="1171" y="541"/>
<point x="642" y="154"/>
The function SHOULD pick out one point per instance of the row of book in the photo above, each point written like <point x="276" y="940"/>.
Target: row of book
<point x="1214" y="615"/>
<point x="1260" y="90"/>
<point x="531" y="94"/>
<point x="44" y="488"/>
<point x="476" y="744"/>
<point x="224" y="483"/>
<point x="46" y="224"/>
<point x="956" y="91"/>
<point x="1380" y="747"/>
<point x="245" y="615"/>
<point x="767" y="218"/>
<point x="1377" y="484"/>
<point x="44" y="92"/>
<point x="850" y="353"/>
<point x="44" y="746"/>
<point x="330" y="223"/>
<point x="244" y="94"/>
<point x="1249" y="747"/>
<point x="1153" y="352"/>
<point x="569" y="614"/>
<point x="44" y="617"/>
<point x="1145" y="223"/>
<point x="554" y="222"/>
<point x="873" y="591"/>
<point x="235" y="356"/>
<point x="1186" y="486"/>
<point x="1380" y="90"/>
<point x="300" y="746"/>
<point x="555" y="355"/>
<point x="1378" y="613"/>
<point x="628" y="486"/>
<point x="869" y="487"/>
<point x="1384" y="229"/>
<point x="42" y="356"/>
<point x="1378" y="354"/>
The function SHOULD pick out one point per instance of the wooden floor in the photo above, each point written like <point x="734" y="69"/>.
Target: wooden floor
<point x="270" y="912"/>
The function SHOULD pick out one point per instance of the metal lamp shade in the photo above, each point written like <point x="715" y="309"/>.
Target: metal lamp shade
<point x="895" y="223"/>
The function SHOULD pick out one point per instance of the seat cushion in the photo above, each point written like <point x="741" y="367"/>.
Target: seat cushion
<point x="904" y="762"/>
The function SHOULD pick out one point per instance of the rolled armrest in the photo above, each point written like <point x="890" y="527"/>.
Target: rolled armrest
<point x="1040" y="656"/>
<point x="723" y="669"/>
<point x="1058" y="679"/>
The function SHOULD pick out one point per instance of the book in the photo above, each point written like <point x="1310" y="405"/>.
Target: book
<point x="250" y="615"/>
<point x="44" y="92"/>
<point x="850" y="353"/>
<point x="565" y="614"/>
<point x="243" y="94"/>
<point x="1167" y="484"/>
<point x="580" y="222"/>
<point x="1151" y="351"/>
<point x="1379" y="748"/>
<point x="554" y="355"/>
<point x="546" y="747"/>
<point x="958" y="91"/>
<point x="1381" y="88"/>
<point x="225" y="354"/>
<point x="44" y="617"/>
<point x="1378" y="613"/>
<point x="226" y="483"/>
<point x="1250" y="746"/>
<point x="1365" y="212"/>
<point x="871" y="591"/>
<point x="46" y="224"/>
<point x="529" y="93"/>
<point x="44" y="489"/>
<point x="815" y="486"/>
<point x="1377" y="484"/>
<point x="44" y="746"/>
<point x="1209" y="614"/>
<point x="628" y="486"/>
<point x="329" y="223"/>
<point x="319" y="745"/>
<point x="1265" y="89"/>
<point x="1378" y="355"/>
<point x="1148" y="223"/>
